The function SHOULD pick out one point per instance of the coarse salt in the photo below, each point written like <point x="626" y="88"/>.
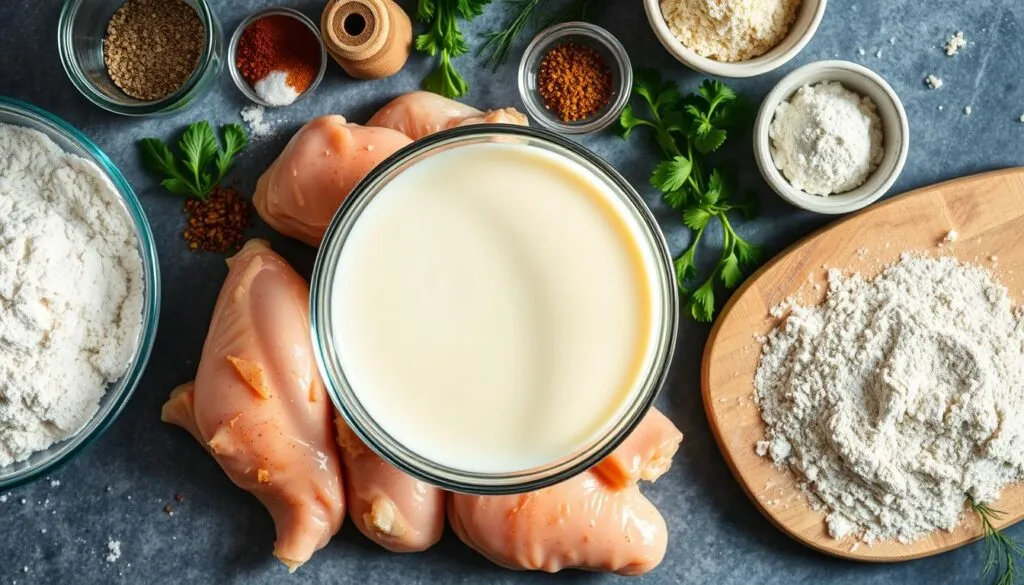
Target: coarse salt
<point x="275" y="90"/>
<point x="955" y="43"/>
<point x="933" y="81"/>
<point x="113" y="551"/>
<point x="255" y="117"/>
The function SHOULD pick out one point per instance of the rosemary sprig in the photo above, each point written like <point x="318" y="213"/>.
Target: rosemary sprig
<point x="1001" y="551"/>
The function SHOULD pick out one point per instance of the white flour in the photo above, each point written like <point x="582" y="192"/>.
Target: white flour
<point x="70" y="292"/>
<point x="898" y="397"/>
<point x="730" y="30"/>
<point x="826" y="139"/>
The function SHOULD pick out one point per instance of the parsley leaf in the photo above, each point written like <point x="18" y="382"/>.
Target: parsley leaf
<point x="202" y="164"/>
<point x="444" y="38"/>
<point x="687" y="129"/>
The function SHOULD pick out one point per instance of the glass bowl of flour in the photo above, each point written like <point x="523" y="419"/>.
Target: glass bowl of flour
<point x="79" y="292"/>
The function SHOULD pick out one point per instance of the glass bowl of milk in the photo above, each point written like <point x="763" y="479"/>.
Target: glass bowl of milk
<point x="493" y="309"/>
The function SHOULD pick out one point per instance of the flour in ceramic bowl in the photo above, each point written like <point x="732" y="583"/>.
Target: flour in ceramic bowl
<point x="71" y="292"/>
<point x="898" y="398"/>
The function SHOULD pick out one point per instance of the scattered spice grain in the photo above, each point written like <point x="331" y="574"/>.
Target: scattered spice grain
<point x="152" y="47"/>
<point x="574" y="81"/>
<point x="280" y="57"/>
<point x="219" y="223"/>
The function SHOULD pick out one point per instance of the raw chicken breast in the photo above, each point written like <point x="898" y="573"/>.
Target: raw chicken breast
<point x="421" y="113"/>
<point x="580" y="523"/>
<point x="391" y="508"/>
<point x="596" y="521"/>
<point x="259" y="407"/>
<point x="319" y="167"/>
<point x="645" y="454"/>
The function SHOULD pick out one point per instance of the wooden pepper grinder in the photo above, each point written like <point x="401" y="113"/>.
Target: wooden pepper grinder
<point x="370" y="39"/>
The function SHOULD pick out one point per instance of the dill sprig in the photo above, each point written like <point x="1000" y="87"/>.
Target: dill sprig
<point x="1001" y="551"/>
<point x="498" y="46"/>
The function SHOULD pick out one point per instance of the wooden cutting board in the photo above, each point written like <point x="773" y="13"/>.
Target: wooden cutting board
<point x="986" y="210"/>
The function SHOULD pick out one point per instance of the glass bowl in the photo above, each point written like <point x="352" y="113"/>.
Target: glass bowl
<point x="586" y="34"/>
<point x="113" y="401"/>
<point x="328" y="352"/>
<point x="236" y="76"/>
<point x="80" y="32"/>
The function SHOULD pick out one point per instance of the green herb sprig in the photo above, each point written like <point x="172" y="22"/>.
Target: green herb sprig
<point x="688" y="128"/>
<point x="1001" y="551"/>
<point x="444" y="38"/>
<point x="525" y="13"/>
<point x="202" y="164"/>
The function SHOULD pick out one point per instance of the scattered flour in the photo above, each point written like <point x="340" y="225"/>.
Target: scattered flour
<point x="730" y="30"/>
<point x="71" y="298"/>
<point x="826" y="139"/>
<point x="933" y="81"/>
<point x="955" y="43"/>
<point x="898" y="397"/>
<point x="952" y="236"/>
<point x="113" y="551"/>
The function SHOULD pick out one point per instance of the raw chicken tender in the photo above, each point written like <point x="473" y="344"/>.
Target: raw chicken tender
<point x="586" y="522"/>
<point x="259" y="407"/>
<point x="319" y="167"/>
<point x="421" y="113"/>
<point x="391" y="508"/>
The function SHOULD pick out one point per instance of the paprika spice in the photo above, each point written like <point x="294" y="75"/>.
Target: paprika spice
<point x="279" y="56"/>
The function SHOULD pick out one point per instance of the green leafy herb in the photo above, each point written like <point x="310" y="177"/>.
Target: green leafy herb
<point x="444" y="38"/>
<point x="687" y="129"/>
<point x="203" y="163"/>
<point x="525" y="14"/>
<point x="1001" y="551"/>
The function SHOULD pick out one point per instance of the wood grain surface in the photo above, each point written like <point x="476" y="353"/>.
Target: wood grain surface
<point x="986" y="210"/>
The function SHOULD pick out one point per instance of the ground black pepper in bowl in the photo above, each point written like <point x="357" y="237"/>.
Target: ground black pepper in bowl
<point x="152" y="47"/>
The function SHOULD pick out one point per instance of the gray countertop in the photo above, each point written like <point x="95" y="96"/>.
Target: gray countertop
<point x="117" y="488"/>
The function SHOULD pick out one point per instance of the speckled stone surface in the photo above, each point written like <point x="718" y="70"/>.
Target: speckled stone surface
<point x="117" y="488"/>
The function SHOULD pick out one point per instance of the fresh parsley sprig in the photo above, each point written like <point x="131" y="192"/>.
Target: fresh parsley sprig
<point x="688" y="128"/>
<point x="1001" y="551"/>
<point x="203" y="163"/>
<point x="444" y="38"/>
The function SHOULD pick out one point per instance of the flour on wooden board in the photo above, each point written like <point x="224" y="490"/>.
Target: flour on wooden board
<point x="898" y="397"/>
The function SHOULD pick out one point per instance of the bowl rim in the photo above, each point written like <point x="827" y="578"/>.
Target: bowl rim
<point x="232" y="54"/>
<point x="129" y="382"/>
<point x="768" y="62"/>
<point x="208" y="59"/>
<point x="843" y="202"/>
<point x="543" y="41"/>
<point x="421" y="467"/>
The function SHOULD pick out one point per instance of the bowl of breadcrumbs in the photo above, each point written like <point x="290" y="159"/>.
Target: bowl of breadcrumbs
<point x="734" y="38"/>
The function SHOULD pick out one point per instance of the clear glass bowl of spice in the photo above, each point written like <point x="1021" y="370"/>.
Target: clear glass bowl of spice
<point x="575" y="78"/>
<point x="277" y="57"/>
<point x="140" y="57"/>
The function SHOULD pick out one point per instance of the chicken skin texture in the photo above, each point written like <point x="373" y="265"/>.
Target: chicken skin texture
<point x="421" y="113"/>
<point x="300" y="191"/>
<point x="585" y="522"/>
<point x="391" y="508"/>
<point x="259" y="407"/>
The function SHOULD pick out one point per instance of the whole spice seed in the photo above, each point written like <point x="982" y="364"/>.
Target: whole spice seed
<point x="574" y="81"/>
<point x="152" y="47"/>
<point x="219" y="223"/>
<point x="279" y="44"/>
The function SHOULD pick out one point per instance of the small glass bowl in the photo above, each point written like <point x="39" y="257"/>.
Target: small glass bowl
<point x="116" y="397"/>
<point x="582" y="33"/>
<point x="80" y="32"/>
<point x="243" y="85"/>
<point x="404" y="457"/>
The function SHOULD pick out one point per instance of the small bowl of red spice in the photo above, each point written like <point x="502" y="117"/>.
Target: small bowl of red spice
<point x="575" y="78"/>
<point x="277" y="56"/>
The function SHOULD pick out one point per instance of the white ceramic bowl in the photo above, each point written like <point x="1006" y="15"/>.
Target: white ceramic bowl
<point x="806" y="24"/>
<point x="895" y="135"/>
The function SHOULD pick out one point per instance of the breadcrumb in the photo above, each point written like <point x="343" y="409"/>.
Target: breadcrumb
<point x="955" y="43"/>
<point x="933" y="81"/>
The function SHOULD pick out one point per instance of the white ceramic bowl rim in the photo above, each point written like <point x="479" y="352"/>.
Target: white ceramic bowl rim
<point x="803" y="29"/>
<point x="895" y="127"/>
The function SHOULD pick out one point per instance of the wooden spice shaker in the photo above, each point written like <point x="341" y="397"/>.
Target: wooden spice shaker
<point x="370" y="39"/>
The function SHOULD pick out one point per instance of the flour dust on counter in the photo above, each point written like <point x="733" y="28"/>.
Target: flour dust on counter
<point x="71" y="285"/>
<point x="899" y="398"/>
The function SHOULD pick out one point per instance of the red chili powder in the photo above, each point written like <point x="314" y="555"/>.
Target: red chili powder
<point x="279" y="43"/>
